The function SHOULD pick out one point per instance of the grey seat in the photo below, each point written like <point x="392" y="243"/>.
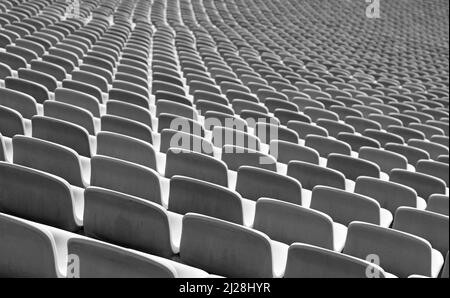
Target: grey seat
<point x="357" y="142"/>
<point x="412" y="154"/>
<point x="37" y="196"/>
<point x="399" y="253"/>
<point x="227" y="136"/>
<point x="386" y="160"/>
<point x="425" y="185"/>
<point x="307" y="261"/>
<point x="70" y="113"/>
<point x="306" y="129"/>
<point x="286" y="152"/>
<point x="290" y="224"/>
<point x="127" y="127"/>
<point x="126" y="177"/>
<point x="205" y="242"/>
<point x="438" y="204"/>
<point x="235" y="157"/>
<point x="104" y="260"/>
<point x="434" y="168"/>
<point x="196" y="165"/>
<point x="255" y="183"/>
<point x="326" y="146"/>
<point x="345" y="207"/>
<point x="19" y="101"/>
<point x="353" y="167"/>
<point x="311" y="175"/>
<point x="78" y="99"/>
<point x="63" y="133"/>
<point x="48" y="157"/>
<point x="126" y="148"/>
<point x="127" y="221"/>
<point x="189" y="195"/>
<point x="29" y="247"/>
<point x="177" y="139"/>
<point x="427" y="225"/>
<point x="433" y="149"/>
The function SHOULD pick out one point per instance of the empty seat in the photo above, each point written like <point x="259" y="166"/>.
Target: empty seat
<point x="63" y="133"/>
<point x="427" y="225"/>
<point x="346" y="207"/>
<point x="307" y="261"/>
<point x="128" y="221"/>
<point x="434" y="168"/>
<point x="40" y="197"/>
<point x="286" y="152"/>
<point x="267" y="132"/>
<point x="205" y="242"/>
<point x="177" y="139"/>
<point x="435" y="150"/>
<point x="353" y="167"/>
<point x="412" y="154"/>
<point x="31" y="248"/>
<point x="129" y="97"/>
<point x="21" y="102"/>
<point x="357" y="142"/>
<point x="35" y="90"/>
<point x="424" y="184"/>
<point x="127" y="127"/>
<point x="126" y="148"/>
<point x="255" y="183"/>
<point x="438" y="204"/>
<point x="170" y="121"/>
<point x="389" y="194"/>
<point x="51" y="158"/>
<point x="289" y="223"/>
<point x="326" y="146"/>
<point x="196" y="165"/>
<point x="386" y="160"/>
<point x="399" y="253"/>
<point x="125" y="177"/>
<point x="189" y="195"/>
<point x="235" y="157"/>
<point x="311" y="175"/>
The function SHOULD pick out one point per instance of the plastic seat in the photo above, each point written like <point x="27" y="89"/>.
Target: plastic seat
<point x="127" y="127"/>
<point x="235" y="157"/>
<point x="424" y="184"/>
<point x="170" y="121"/>
<point x="435" y="169"/>
<point x="326" y="146"/>
<point x="78" y="99"/>
<point x="189" y="195"/>
<point x="195" y="165"/>
<point x="438" y="204"/>
<point x="289" y="223"/>
<point x="412" y="154"/>
<point x="126" y="177"/>
<point x="346" y="207"/>
<point x="251" y="252"/>
<point x="386" y="160"/>
<point x="435" y="150"/>
<point x="255" y="183"/>
<point x="23" y="195"/>
<point x="307" y="261"/>
<point x="311" y="175"/>
<point x="63" y="133"/>
<point x="35" y="90"/>
<point x="18" y="101"/>
<point x="399" y="253"/>
<point x="427" y="225"/>
<point x="128" y="97"/>
<point x="130" y="222"/>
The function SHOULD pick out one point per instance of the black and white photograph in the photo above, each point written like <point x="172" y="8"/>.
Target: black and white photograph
<point x="224" y="147"/>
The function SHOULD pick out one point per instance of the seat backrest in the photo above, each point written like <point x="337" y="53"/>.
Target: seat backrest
<point x="326" y="146"/>
<point x="307" y="261"/>
<point x="227" y="136"/>
<point x="255" y="183"/>
<point x="386" y="160"/>
<point x="127" y="127"/>
<point x="19" y="101"/>
<point x="235" y="157"/>
<point x="353" y="167"/>
<point x="412" y="154"/>
<point x="196" y="165"/>
<point x="70" y="113"/>
<point x="37" y="196"/>
<point x="177" y="139"/>
<point x="434" y="168"/>
<point x="189" y="195"/>
<point x="26" y="250"/>
<point x="345" y="207"/>
<point x="399" y="253"/>
<point x="224" y="248"/>
<point x="128" y="97"/>
<point x="126" y="221"/>
<point x="389" y="194"/>
<point x="79" y="99"/>
<point x="125" y="177"/>
<point x="438" y="204"/>
<point x="289" y="223"/>
<point x="286" y="152"/>
<point x="103" y="260"/>
<point x="311" y="175"/>
<point x="63" y="133"/>
<point x="48" y="157"/>
<point x="425" y="185"/>
<point x="428" y="225"/>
